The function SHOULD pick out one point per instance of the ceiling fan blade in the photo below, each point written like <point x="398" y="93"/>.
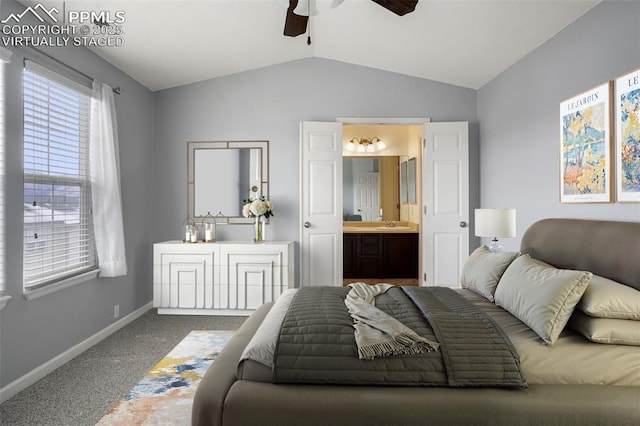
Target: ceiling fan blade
<point x="399" y="7"/>
<point x="294" y="25"/>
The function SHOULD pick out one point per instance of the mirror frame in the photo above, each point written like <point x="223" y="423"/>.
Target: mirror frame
<point x="194" y="146"/>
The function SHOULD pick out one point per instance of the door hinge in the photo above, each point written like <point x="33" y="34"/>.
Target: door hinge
<point x="425" y="210"/>
<point x="424" y="277"/>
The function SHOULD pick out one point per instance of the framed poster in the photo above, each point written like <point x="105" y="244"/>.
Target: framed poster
<point x="585" y="147"/>
<point x="627" y="102"/>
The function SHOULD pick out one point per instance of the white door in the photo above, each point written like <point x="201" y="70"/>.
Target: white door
<point x="445" y="183"/>
<point x="367" y="196"/>
<point x="321" y="203"/>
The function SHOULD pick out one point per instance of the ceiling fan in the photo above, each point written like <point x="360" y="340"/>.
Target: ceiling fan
<point x="298" y="12"/>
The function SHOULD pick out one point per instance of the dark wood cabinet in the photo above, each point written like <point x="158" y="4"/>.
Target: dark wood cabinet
<point x="349" y="255"/>
<point x="400" y="255"/>
<point x="383" y="255"/>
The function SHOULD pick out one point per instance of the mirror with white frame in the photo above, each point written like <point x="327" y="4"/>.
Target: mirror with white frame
<point x="223" y="174"/>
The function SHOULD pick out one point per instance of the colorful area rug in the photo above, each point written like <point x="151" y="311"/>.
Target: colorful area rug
<point x="164" y="396"/>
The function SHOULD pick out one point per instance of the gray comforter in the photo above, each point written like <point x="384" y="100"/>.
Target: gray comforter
<point x="317" y="345"/>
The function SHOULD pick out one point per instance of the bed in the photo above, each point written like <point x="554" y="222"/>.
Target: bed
<point x="573" y="381"/>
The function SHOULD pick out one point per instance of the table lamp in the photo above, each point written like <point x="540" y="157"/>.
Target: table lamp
<point x="495" y="223"/>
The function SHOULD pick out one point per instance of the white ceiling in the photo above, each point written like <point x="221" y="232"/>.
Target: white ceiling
<point x="169" y="43"/>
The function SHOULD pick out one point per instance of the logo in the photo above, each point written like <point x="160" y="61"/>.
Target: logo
<point x="34" y="11"/>
<point x="89" y="28"/>
<point x="90" y="16"/>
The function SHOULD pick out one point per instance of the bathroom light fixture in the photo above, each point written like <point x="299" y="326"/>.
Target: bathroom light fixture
<point x="365" y="144"/>
<point x="495" y="223"/>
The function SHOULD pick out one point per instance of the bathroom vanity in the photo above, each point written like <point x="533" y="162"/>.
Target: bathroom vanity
<point x="380" y="250"/>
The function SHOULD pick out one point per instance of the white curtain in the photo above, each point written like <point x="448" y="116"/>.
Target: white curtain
<point x="105" y="183"/>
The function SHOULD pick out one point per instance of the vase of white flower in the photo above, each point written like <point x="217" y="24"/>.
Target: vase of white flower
<point x="258" y="230"/>
<point x="260" y="209"/>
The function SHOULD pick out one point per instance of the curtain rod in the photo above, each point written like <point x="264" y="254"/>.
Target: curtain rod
<point x="117" y="90"/>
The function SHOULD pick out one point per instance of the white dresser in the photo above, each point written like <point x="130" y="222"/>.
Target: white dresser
<point x="222" y="278"/>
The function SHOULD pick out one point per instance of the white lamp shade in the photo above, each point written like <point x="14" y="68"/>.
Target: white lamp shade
<point x="495" y="223"/>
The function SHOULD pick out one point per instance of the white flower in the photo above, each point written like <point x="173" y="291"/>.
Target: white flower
<point x="258" y="207"/>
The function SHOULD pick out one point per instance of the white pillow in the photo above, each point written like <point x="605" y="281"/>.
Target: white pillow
<point x="541" y="296"/>
<point x="483" y="270"/>
<point x="605" y="298"/>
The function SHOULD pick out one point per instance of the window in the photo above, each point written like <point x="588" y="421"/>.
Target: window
<point x="58" y="228"/>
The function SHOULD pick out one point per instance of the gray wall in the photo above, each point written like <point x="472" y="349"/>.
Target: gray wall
<point x="33" y="332"/>
<point x="269" y="103"/>
<point x="518" y="113"/>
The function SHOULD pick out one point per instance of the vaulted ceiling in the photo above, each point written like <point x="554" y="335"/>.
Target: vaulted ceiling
<point x="168" y="43"/>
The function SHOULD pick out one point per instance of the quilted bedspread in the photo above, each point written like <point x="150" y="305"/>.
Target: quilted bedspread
<point x="317" y="345"/>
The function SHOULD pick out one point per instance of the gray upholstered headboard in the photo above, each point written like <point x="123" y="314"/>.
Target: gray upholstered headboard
<point x="606" y="248"/>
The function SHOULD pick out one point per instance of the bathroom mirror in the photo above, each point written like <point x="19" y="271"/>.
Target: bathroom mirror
<point x="220" y="175"/>
<point x="370" y="188"/>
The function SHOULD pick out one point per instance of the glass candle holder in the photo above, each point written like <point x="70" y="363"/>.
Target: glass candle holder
<point x="209" y="228"/>
<point x="190" y="231"/>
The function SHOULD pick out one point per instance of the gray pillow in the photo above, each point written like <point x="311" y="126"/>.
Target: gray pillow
<point x="606" y="330"/>
<point x="540" y="295"/>
<point x="605" y="298"/>
<point x="483" y="270"/>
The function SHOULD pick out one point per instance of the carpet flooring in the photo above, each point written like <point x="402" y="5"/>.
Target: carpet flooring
<point x="165" y="395"/>
<point x="83" y="390"/>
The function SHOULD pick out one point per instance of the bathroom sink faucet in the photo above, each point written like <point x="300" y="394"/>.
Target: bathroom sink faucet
<point x="390" y="224"/>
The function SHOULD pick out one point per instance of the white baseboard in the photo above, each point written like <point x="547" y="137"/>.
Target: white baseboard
<point x="39" y="372"/>
<point x="212" y="312"/>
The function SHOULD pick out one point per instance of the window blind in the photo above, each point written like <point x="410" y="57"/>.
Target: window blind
<point x="58" y="228"/>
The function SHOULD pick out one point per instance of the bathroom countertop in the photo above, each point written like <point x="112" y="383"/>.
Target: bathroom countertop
<point x="379" y="227"/>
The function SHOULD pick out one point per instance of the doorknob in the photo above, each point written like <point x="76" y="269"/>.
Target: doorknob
<point x="463" y="224"/>
<point x="307" y="225"/>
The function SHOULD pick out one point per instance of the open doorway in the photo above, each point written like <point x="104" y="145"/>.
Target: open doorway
<point x="382" y="200"/>
<point x="443" y="210"/>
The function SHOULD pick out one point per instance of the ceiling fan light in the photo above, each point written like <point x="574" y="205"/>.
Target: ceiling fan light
<point x="306" y="8"/>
